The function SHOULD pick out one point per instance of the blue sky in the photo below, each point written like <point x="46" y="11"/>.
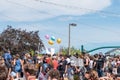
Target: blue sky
<point x="98" y="21"/>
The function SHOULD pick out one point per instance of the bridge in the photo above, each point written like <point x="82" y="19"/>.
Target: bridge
<point x="103" y="47"/>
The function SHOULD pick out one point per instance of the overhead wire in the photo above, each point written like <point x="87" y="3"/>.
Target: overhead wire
<point x="103" y="12"/>
<point x="28" y="7"/>
<point x="67" y="6"/>
<point x="100" y="28"/>
<point x="12" y="18"/>
<point x="61" y="5"/>
<point x="79" y="8"/>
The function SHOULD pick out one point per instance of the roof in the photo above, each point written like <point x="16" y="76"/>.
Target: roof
<point x="115" y="51"/>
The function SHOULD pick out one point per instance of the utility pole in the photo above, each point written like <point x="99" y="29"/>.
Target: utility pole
<point x="69" y="40"/>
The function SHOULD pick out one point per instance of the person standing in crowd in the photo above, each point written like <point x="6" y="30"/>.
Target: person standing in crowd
<point x="30" y="59"/>
<point x="2" y="62"/>
<point x="12" y="71"/>
<point x="77" y="73"/>
<point x="87" y="76"/>
<point x="44" y="66"/>
<point x="91" y="62"/>
<point x="30" y="72"/>
<point x="118" y="67"/>
<point x="55" y="62"/>
<point x="35" y="58"/>
<point x="82" y="68"/>
<point x="91" y="75"/>
<point x="70" y="72"/>
<point x="39" y="65"/>
<point x="62" y="67"/>
<point x="18" y="65"/>
<point x="7" y="58"/>
<point x="48" y="59"/>
<point x="3" y="72"/>
<point x="100" y="64"/>
<point x="86" y="61"/>
<point x="68" y="59"/>
<point x="78" y="67"/>
<point x="53" y="75"/>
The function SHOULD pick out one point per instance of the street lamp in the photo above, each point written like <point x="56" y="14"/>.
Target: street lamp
<point x="73" y="25"/>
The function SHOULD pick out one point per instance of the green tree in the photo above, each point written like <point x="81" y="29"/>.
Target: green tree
<point x="72" y="51"/>
<point x="18" y="41"/>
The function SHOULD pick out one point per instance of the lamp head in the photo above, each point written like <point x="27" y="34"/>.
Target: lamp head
<point x="73" y="24"/>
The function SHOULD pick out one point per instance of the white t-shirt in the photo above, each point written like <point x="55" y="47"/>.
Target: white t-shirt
<point x="68" y="60"/>
<point x="91" y="64"/>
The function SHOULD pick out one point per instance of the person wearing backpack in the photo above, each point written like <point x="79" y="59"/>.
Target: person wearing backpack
<point x="18" y="65"/>
<point x="7" y="58"/>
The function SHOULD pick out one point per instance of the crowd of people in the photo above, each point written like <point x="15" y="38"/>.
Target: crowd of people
<point x="59" y="67"/>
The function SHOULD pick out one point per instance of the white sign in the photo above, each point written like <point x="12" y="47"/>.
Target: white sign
<point x="50" y="51"/>
<point x="76" y="61"/>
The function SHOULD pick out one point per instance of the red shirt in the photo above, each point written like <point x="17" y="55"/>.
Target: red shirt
<point x="48" y="60"/>
<point x="55" y="64"/>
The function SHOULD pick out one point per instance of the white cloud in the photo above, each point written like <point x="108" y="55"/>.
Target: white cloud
<point x="34" y="10"/>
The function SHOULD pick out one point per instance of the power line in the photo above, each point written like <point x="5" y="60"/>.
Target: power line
<point x="18" y="4"/>
<point x="101" y="28"/>
<point x="41" y="12"/>
<point x="61" y="5"/>
<point x="10" y="18"/>
<point x="74" y="7"/>
<point x="67" y="6"/>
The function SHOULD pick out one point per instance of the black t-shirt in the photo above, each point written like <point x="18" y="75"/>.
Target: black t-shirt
<point x="62" y="65"/>
<point x="118" y="69"/>
<point x="100" y="63"/>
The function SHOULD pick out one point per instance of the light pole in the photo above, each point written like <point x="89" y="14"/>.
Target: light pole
<point x="71" y="24"/>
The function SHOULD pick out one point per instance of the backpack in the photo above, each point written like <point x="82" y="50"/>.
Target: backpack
<point x="7" y="57"/>
<point x="8" y="63"/>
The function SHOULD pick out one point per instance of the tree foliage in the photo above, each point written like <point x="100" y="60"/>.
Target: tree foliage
<point x="18" y="41"/>
<point x="72" y="51"/>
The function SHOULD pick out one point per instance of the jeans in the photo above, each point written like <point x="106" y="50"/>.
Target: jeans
<point x="100" y="72"/>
